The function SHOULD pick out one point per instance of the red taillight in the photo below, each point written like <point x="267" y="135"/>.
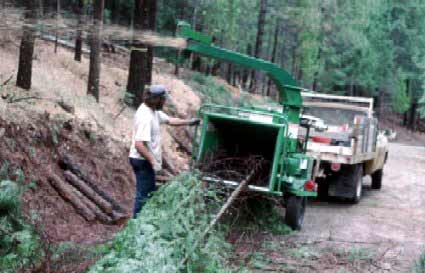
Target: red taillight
<point x="335" y="167"/>
<point x="310" y="186"/>
<point x="320" y="139"/>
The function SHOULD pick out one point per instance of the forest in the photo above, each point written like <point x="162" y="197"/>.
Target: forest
<point x="369" y="48"/>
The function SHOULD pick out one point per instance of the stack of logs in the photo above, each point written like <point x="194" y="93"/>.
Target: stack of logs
<point x="92" y="203"/>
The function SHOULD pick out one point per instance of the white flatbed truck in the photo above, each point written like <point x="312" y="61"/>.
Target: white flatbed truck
<point x="345" y="143"/>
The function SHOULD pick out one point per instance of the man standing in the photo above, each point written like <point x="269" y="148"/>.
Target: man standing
<point x="145" y="150"/>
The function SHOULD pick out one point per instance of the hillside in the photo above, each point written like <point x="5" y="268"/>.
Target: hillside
<point x="56" y="119"/>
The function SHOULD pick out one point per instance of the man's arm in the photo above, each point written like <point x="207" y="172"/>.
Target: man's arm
<point x="182" y="122"/>
<point x="143" y="151"/>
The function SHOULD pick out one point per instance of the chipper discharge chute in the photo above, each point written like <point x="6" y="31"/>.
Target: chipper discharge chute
<point x="241" y="137"/>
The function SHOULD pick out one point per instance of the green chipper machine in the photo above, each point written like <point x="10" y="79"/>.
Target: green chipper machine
<point x="246" y="131"/>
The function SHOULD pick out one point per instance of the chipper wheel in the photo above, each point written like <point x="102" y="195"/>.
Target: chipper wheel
<point x="295" y="208"/>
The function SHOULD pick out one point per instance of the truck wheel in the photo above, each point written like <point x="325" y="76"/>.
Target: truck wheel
<point x="295" y="208"/>
<point x="377" y="179"/>
<point x="357" y="177"/>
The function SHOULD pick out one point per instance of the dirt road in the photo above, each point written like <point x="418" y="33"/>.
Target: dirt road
<point x="385" y="232"/>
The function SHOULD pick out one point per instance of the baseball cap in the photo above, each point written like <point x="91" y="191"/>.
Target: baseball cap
<point x="158" y="90"/>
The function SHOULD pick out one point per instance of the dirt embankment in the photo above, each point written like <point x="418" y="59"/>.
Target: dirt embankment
<point x="37" y="148"/>
<point x="56" y="118"/>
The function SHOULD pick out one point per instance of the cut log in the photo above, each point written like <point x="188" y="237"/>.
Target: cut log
<point x="118" y="217"/>
<point x="88" y="192"/>
<point x="100" y="216"/>
<point x="75" y="168"/>
<point x="69" y="194"/>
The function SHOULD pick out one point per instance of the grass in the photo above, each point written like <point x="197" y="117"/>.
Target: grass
<point x="302" y="253"/>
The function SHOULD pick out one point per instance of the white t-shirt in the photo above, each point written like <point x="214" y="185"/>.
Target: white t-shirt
<point x="147" y="129"/>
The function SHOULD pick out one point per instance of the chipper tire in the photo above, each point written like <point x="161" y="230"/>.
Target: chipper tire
<point x="377" y="179"/>
<point x="295" y="209"/>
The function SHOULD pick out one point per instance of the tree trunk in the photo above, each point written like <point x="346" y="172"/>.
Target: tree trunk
<point x="245" y="73"/>
<point x="274" y="53"/>
<point x="58" y="10"/>
<point x="79" y="38"/>
<point x="235" y="76"/>
<point x="259" y="40"/>
<point x="26" y="49"/>
<point x="182" y="7"/>
<point x="95" y="50"/>
<point x="229" y="73"/>
<point x="413" y="116"/>
<point x="115" y="12"/>
<point x="406" y="114"/>
<point x="141" y="59"/>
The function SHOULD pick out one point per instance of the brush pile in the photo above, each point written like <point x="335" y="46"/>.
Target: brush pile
<point x="236" y="168"/>
<point x="163" y="235"/>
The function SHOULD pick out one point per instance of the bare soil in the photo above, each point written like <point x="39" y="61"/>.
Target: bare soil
<point x="383" y="233"/>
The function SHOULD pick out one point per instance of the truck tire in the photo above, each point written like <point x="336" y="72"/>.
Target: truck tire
<point x="377" y="179"/>
<point x="295" y="209"/>
<point x="357" y="177"/>
<point x="323" y="189"/>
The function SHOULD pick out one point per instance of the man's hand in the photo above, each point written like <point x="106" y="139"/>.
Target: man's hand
<point x="194" y="121"/>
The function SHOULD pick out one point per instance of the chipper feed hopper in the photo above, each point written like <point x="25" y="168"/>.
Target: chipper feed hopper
<point x="243" y="132"/>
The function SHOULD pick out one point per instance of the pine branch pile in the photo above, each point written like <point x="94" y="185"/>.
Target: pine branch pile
<point x="165" y="231"/>
<point x="18" y="242"/>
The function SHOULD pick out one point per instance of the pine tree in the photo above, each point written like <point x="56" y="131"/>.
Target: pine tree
<point x="141" y="59"/>
<point x="259" y="39"/>
<point x="26" y="49"/>
<point x="95" y="50"/>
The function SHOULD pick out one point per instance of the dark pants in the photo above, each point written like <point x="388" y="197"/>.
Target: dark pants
<point x="145" y="182"/>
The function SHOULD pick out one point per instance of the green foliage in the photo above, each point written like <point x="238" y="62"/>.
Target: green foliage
<point x="303" y="253"/>
<point x="420" y="264"/>
<point x="260" y="214"/>
<point x="210" y="90"/>
<point x="128" y="98"/>
<point x="360" y="253"/>
<point x="422" y="106"/>
<point x="401" y="101"/>
<point x="165" y="231"/>
<point x="18" y="243"/>
<point x="107" y="16"/>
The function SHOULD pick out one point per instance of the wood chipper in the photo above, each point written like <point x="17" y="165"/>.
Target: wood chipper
<point x="250" y="131"/>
